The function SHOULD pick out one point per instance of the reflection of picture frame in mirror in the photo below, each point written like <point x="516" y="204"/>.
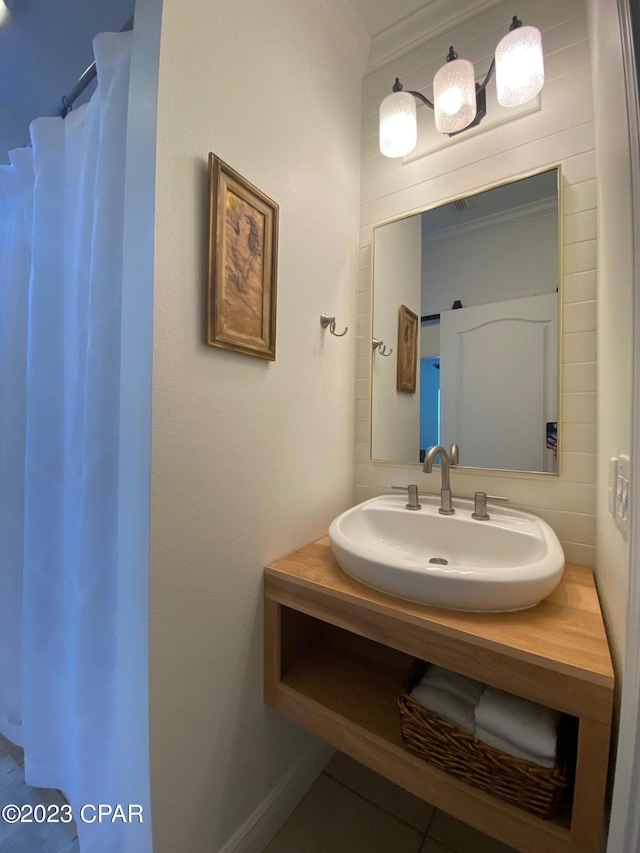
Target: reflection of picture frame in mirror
<point x="243" y="258"/>
<point x="407" y="350"/>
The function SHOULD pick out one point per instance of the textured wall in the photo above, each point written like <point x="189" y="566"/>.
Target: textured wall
<point x="560" y="133"/>
<point x="615" y="304"/>
<point x="251" y="459"/>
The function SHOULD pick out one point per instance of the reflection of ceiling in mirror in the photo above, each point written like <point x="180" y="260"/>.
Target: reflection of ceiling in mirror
<point x="511" y="196"/>
<point x="502" y="245"/>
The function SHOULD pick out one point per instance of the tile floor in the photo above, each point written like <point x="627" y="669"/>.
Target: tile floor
<point x="350" y="809"/>
<point x="32" y="837"/>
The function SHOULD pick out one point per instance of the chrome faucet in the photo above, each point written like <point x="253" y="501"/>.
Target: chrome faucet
<point x="446" y="460"/>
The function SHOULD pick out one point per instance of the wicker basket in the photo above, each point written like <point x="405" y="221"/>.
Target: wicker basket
<point x="524" y="784"/>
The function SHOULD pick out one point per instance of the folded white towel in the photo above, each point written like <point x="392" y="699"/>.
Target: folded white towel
<point x="446" y="706"/>
<point x="526" y="725"/>
<point x="466" y="689"/>
<point x="449" y="695"/>
<point x="506" y="746"/>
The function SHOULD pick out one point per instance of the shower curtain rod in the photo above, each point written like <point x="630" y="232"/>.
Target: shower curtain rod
<point x="87" y="77"/>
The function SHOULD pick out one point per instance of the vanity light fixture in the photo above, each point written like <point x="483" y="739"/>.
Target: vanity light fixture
<point x="459" y="102"/>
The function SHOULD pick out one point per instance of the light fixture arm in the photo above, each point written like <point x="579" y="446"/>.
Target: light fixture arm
<point x="480" y="95"/>
<point x="480" y="87"/>
<point x="398" y="87"/>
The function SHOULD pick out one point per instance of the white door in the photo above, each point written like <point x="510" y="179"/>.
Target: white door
<point x="498" y="382"/>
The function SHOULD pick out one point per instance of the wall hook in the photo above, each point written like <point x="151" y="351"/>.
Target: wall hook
<point x="380" y="346"/>
<point x="326" y="320"/>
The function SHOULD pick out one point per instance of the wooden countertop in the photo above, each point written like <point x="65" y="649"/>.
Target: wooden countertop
<point x="564" y="633"/>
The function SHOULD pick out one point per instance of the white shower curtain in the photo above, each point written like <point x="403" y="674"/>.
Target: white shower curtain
<point x="61" y="273"/>
<point x="16" y="195"/>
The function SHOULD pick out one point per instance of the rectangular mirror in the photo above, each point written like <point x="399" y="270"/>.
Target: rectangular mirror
<point x="482" y="274"/>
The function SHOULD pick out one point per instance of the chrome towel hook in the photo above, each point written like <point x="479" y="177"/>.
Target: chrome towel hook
<point x="326" y="320"/>
<point x="380" y="346"/>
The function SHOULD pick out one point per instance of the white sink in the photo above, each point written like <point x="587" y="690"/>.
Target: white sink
<point x="510" y="562"/>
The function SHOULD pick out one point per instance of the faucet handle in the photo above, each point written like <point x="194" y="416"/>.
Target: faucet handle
<point x="414" y="503"/>
<point x="480" y="508"/>
<point x="412" y="490"/>
<point x="454" y="454"/>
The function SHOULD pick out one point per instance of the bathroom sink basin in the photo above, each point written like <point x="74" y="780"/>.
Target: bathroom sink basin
<point x="510" y="562"/>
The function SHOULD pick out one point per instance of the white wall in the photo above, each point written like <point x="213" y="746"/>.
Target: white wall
<point x="624" y="832"/>
<point x="615" y="302"/>
<point x="484" y="264"/>
<point x="251" y="459"/>
<point x="615" y="383"/>
<point x="398" y="262"/>
<point x="430" y="340"/>
<point x="561" y="132"/>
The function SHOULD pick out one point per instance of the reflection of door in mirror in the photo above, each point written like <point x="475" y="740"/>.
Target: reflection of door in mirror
<point x="496" y="254"/>
<point x="499" y="417"/>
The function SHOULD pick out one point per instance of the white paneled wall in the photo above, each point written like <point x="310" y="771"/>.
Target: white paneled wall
<point x="561" y="132"/>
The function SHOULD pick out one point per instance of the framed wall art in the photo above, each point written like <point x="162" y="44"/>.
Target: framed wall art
<point x="407" y="350"/>
<point x="242" y="264"/>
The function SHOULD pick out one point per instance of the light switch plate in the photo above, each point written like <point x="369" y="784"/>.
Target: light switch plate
<point x="611" y="489"/>
<point x="622" y="492"/>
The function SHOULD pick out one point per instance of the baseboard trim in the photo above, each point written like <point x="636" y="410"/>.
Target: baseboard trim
<point x="258" y="830"/>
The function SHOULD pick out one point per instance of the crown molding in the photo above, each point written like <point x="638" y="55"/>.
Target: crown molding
<point x="494" y="222"/>
<point x="433" y="19"/>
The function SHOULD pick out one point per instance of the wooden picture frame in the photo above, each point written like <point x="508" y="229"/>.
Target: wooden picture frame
<point x="242" y="264"/>
<point x="407" y="350"/>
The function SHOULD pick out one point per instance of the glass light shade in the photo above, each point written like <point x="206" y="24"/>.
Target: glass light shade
<point x="519" y="66"/>
<point x="454" y="95"/>
<point x="398" y="124"/>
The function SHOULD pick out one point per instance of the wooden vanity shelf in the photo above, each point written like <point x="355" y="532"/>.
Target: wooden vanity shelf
<point x="336" y="653"/>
